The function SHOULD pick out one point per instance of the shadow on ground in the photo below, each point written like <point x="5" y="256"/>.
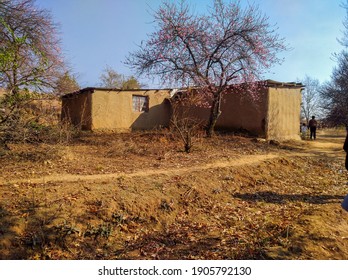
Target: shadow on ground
<point x="273" y="197"/>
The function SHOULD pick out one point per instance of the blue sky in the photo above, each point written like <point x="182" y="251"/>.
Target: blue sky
<point x="96" y="33"/>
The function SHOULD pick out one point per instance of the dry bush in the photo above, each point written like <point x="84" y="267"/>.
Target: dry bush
<point x="32" y="118"/>
<point x="187" y="126"/>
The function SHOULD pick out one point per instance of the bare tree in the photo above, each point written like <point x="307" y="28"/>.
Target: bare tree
<point x="229" y="45"/>
<point x="311" y="103"/>
<point x="29" y="42"/>
<point x="344" y="40"/>
<point x="335" y="92"/>
<point x="30" y="60"/>
<point x="66" y="83"/>
<point x="111" y="79"/>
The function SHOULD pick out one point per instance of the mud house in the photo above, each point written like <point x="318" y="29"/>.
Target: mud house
<point x="274" y="115"/>
<point x="273" y="112"/>
<point x="117" y="110"/>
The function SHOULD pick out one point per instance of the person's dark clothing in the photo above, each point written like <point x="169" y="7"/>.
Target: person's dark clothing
<point x="313" y="128"/>
<point x="313" y="131"/>
<point x="345" y="148"/>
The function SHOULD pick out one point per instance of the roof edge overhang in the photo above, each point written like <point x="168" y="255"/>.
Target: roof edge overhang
<point x="276" y="84"/>
<point x="93" y="89"/>
<point x="267" y="83"/>
<point x="81" y="91"/>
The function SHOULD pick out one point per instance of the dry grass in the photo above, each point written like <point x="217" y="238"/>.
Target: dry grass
<point x="161" y="203"/>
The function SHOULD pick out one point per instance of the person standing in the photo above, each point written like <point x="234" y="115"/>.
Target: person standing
<point x="345" y="147"/>
<point x="303" y="131"/>
<point x="313" y="128"/>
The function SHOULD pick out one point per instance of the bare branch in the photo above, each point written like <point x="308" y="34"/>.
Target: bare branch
<point x="229" y="45"/>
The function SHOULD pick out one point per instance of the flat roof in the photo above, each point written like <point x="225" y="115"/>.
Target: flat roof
<point x="268" y="83"/>
<point x="92" y="89"/>
<point x="272" y="83"/>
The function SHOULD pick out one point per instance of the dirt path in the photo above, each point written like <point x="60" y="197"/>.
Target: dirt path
<point x="245" y="160"/>
<point x="325" y="145"/>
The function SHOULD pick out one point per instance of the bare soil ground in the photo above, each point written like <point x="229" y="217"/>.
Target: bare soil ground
<point x="138" y="196"/>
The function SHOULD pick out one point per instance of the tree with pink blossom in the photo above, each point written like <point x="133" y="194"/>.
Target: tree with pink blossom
<point x="229" y="45"/>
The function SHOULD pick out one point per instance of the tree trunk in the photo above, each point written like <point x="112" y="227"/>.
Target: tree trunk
<point x="215" y="113"/>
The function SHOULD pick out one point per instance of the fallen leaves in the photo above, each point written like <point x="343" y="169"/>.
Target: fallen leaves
<point x="275" y="208"/>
